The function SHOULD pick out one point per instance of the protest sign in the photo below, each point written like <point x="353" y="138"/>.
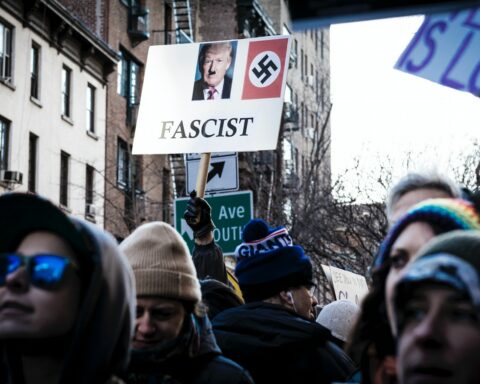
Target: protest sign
<point x="212" y="97"/>
<point x="347" y="285"/>
<point x="446" y="50"/>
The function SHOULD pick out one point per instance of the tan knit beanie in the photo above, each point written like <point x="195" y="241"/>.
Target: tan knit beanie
<point x="161" y="263"/>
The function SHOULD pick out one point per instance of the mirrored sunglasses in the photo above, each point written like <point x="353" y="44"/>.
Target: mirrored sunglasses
<point x="45" y="271"/>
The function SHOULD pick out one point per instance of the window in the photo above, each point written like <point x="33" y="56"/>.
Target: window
<point x="295" y="51"/>
<point x="5" y="52"/>
<point x="128" y="84"/>
<point x="89" y="179"/>
<point x="321" y="45"/>
<point x="32" y="162"/>
<point x="66" y="90"/>
<point x="306" y="65"/>
<point x="90" y="118"/>
<point x="4" y="143"/>
<point x="34" y="70"/>
<point x="166" y="177"/>
<point x="301" y="63"/>
<point x="64" y="171"/>
<point x="123" y="164"/>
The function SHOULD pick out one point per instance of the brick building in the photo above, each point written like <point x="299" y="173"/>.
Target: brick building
<point x="276" y="177"/>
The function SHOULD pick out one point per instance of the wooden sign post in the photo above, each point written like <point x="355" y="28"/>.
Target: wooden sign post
<point x="203" y="174"/>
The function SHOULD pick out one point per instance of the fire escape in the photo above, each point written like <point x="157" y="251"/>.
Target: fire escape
<point x="182" y="22"/>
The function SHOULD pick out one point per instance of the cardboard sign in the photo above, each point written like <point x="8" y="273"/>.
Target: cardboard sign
<point x="446" y="50"/>
<point x="212" y="97"/>
<point x="347" y="285"/>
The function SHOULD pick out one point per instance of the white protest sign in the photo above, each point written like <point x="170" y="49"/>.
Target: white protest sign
<point x="347" y="285"/>
<point x="446" y="50"/>
<point x="212" y="97"/>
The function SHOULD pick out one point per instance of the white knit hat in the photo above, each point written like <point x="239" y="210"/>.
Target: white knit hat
<point x="339" y="317"/>
<point x="161" y="263"/>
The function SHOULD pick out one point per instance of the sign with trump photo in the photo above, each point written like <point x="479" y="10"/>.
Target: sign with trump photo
<point x="213" y="97"/>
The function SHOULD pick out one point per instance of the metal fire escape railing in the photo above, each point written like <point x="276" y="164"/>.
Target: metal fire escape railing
<point x="182" y="17"/>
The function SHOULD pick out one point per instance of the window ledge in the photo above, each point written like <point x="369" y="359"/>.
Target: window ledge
<point x="35" y="101"/>
<point x="8" y="84"/>
<point x="92" y="135"/>
<point x="67" y="119"/>
<point x="90" y="218"/>
<point x="65" y="209"/>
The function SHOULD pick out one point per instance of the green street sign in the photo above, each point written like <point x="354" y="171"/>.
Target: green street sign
<point x="230" y="213"/>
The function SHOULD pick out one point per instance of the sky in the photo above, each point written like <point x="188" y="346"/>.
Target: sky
<point x="380" y="112"/>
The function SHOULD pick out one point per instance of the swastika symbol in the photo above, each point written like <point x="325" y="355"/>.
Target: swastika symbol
<point x="264" y="69"/>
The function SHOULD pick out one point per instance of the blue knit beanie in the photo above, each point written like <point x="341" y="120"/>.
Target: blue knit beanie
<point x="268" y="262"/>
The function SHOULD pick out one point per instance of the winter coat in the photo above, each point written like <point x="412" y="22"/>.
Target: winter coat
<point x="277" y="346"/>
<point x="209" y="263"/>
<point x="193" y="358"/>
<point x="97" y="349"/>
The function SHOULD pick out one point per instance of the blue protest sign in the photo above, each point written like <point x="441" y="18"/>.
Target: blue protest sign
<point x="446" y="50"/>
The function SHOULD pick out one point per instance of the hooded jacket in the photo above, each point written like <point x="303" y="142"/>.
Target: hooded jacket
<point x="277" y="346"/>
<point x="98" y="346"/>
<point x="194" y="357"/>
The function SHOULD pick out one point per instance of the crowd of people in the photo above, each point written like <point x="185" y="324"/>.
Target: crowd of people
<point x="78" y="308"/>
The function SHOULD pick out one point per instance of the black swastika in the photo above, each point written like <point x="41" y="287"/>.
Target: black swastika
<point x="263" y="69"/>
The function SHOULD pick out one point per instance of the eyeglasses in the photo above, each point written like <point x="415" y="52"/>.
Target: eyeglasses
<point x="45" y="271"/>
<point x="312" y="290"/>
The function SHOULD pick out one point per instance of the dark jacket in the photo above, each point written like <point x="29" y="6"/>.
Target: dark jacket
<point x="209" y="263"/>
<point x="277" y="346"/>
<point x="194" y="358"/>
<point x="198" y="88"/>
<point x="98" y="346"/>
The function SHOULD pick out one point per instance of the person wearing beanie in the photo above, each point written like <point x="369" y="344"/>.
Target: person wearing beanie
<point x="274" y="335"/>
<point x="173" y="341"/>
<point x="67" y="297"/>
<point x="339" y="317"/>
<point x="372" y="342"/>
<point x="437" y="311"/>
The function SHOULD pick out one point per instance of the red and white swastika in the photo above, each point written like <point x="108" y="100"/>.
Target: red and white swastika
<point x="264" y="69"/>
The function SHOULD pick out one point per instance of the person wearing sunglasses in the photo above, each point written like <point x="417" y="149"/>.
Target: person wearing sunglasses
<point x="66" y="297"/>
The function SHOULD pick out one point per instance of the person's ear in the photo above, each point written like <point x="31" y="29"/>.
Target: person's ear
<point x="286" y="297"/>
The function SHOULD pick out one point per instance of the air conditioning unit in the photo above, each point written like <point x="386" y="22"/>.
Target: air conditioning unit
<point x="90" y="210"/>
<point x="11" y="177"/>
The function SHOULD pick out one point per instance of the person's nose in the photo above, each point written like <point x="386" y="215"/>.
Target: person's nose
<point x="314" y="301"/>
<point x="429" y="331"/>
<point x="17" y="280"/>
<point x="212" y="67"/>
<point x="145" y="325"/>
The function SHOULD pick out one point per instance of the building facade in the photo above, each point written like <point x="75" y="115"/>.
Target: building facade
<point x="53" y="106"/>
<point x="279" y="179"/>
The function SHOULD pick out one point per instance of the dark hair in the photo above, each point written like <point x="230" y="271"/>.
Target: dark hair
<point x="218" y="297"/>
<point x="371" y="334"/>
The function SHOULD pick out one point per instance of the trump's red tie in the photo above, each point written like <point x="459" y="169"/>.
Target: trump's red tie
<point x="211" y="93"/>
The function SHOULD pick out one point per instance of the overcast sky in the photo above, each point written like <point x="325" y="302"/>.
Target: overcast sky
<point x="379" y="111"/>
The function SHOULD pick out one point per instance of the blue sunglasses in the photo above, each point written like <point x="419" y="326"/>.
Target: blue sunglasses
<point x="45" y="271"/>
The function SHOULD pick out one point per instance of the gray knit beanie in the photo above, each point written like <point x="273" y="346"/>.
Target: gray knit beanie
<point x="161" y="263"/>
